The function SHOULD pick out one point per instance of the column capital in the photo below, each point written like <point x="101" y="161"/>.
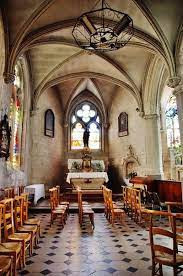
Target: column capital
<point x="151" y="116"/>
<point x="34" y="112"/>
<point x="174" y="81"/>
<point x="9" y="78"/>
<point x="178" y="90"/>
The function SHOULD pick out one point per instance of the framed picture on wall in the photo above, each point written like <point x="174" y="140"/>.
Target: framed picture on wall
<point x="123" y="124"/>
<point x="49" y="123"/>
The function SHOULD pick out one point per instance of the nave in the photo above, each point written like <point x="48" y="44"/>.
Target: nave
<point x="121" y="250"/>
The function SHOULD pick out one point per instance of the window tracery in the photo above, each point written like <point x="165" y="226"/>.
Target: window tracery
<point x="85" y="116"/>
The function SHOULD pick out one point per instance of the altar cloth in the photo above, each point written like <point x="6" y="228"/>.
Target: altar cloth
<point x="37" y="190"/>
<point x="87" y="175"/>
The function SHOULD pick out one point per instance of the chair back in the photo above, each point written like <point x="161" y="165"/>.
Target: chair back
<point x="156" y="247"/>
<point x="18" y="207"/>
<point x="1" y="222"/>
<point x="9" y="192"/>
<point x="21" y="190"/>
<point x="138" y="199"/>
<point x="25" y="206"/>
<point x="53" y="198"/>
<point x="80" y="204"/>
<point x="8" y="218"/>
<point x="58" y="193"/>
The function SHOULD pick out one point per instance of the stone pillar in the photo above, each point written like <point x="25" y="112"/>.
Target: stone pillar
<point x="178" y="92"/>
<point x="153" y="146"/>
<point x="177" y="84"/>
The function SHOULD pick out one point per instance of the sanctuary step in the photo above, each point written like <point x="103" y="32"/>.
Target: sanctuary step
<point x="44" y="206"/>
<point x="89" y="195"/>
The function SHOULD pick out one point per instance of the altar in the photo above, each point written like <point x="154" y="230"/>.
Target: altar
<point x="86" y="173"/>
<point x="87" y="180"/>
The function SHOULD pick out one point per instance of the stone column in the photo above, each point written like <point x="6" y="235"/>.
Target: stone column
<point x="153" y="146"/>
<point x="178" y="92"/>
<point x="177" y="84"/>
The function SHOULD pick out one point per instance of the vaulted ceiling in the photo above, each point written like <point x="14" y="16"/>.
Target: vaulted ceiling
<point x="42" y="31"/>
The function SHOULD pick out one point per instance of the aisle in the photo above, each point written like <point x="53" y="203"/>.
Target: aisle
<point x="122" y="250"/>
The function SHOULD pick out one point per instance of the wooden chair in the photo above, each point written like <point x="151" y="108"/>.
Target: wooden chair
<point x="84" y="210"/>
<point x="30" y="221"/>
<point x="56" y="211"/>
<point x="105" y="199"/>
<point x="139" y="208"/>
<point x="179" y="229"/>
<point x="32" y="229"/>
<point x="128" y="200"/>
<point x="59" y="198"/>
<point x="54" y="194"/>
<point x="114" y="212"/>
<point x="21" y="189"/>
<point x="108" y="193"/>
<point x="9" y="192"/>
<point x="5" y="266"/>
<point x="9" y="229"/>
<point x="10" y="249"/>
<point x="59" y="203"/>
<point x="161" y="254"/>
<point x="132" y="202"/>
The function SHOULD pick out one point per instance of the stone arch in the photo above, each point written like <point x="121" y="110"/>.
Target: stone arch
<point x="87" y="74"/>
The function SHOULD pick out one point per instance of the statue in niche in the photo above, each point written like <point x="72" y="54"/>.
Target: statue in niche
<point x="86" y="136"/>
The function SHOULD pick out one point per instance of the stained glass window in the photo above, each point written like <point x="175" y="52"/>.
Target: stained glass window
<point x="16" y="118"/>
<point x="85" y="116"/>
<point x="49" y="127"/>
<point x="172" y="123"/>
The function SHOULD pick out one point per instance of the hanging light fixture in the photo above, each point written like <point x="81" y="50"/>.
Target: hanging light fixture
<point x="103" y="29"/>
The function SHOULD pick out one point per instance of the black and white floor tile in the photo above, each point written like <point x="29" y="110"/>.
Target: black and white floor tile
<point x="121" y="250"/>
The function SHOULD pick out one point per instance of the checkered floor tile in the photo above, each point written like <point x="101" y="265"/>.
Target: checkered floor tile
<point x="120" y="250"/>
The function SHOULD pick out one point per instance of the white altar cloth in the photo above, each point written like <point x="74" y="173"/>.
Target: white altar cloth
<point x="37" y="190"/>
<point x="87" y="175"/>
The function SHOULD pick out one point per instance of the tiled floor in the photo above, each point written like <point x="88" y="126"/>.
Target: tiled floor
<point x="44" y="204"/>
<point x="121" y="250"/>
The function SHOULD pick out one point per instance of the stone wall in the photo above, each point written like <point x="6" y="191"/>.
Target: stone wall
<point x="47" y="153"/>
<point x="119" y="146"/>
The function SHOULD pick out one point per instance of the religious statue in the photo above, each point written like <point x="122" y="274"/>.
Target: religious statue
<point x="86" y="136"/>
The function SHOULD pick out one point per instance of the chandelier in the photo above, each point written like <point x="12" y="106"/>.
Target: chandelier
<point x="103" y="29"/>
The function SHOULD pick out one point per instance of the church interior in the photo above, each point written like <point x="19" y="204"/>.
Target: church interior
<point x="91" y="135"/>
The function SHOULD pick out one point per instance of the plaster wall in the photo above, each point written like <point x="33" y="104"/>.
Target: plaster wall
<point x="46" y="152"/>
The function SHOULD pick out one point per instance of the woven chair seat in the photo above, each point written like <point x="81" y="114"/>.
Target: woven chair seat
<point x="8" y="247"/>
<point x="29" y="228"/>
<point x="33" y="221"/>
<point x="118" y="211"/>
<point x="20" y="236"/>
<point x="167" y="259"/>
<point x="5" y="263"/>
<point x="58" y="211"/>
